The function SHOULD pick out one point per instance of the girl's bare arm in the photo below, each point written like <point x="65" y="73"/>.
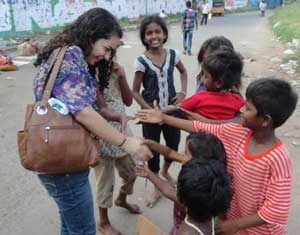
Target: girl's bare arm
<point x="183" y="79"/>
<point x="126" y="93"/>
<point x="137" y="82"/>
<point x="183" y="76"/>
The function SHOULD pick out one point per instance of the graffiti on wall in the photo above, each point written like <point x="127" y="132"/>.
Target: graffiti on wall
<point x="17" y="16"/>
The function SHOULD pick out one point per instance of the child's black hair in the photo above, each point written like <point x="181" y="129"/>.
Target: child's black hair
<point x="203" y="188"/>
<point x="205" y="145"/>
<point x="213" y="44"/>
<point x="153" y="19"/>
<point x="273" y="97"/>
<point x="224" y="65"/>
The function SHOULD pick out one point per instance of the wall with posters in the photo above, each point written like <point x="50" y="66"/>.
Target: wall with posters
<point x="233" y="4"/>
<point x="24" y="16"/>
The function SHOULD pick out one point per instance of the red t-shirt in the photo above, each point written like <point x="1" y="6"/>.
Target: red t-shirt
<point x="214" y="105"/>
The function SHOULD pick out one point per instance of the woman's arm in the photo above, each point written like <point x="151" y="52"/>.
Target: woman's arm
<point x="104" y="111"/>
<point x="89" y="118"/>
<point x="137" y="82"/>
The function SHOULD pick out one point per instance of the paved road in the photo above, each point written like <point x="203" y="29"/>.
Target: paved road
<point x="25" y="207"/>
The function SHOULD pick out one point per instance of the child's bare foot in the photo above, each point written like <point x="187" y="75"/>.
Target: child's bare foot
<point x="168" y="177"/>
<point x="108" y="229"/>
<point x="154" y="197"/>
<point x="132" y="208"/>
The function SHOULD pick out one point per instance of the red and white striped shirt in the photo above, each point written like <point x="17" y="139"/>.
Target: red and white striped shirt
<point x="260" y="184"/>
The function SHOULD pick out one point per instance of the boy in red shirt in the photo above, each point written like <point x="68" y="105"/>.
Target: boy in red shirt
<point x="222" y="77"/>
<point x="257" y="160"/>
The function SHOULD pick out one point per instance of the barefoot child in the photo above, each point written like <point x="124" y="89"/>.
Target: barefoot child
<point x="154" y="69"/>
<point x="203" y="184"/>
<point x="112" y="100"/>
<point x="257" y="160"/>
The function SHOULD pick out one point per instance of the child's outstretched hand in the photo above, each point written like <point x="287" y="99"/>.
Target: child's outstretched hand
<point x="150" y="115"/>
<point x="142" y="169"/>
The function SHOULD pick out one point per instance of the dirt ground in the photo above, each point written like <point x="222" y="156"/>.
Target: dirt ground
<point x="25" y="206"/>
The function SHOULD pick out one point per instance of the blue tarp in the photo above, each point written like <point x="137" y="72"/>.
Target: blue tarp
<point x="270" y="3"/>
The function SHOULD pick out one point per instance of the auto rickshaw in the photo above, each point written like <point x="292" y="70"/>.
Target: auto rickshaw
<point x="218" y="7"/>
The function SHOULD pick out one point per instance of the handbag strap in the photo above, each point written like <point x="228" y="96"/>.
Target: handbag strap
<point x="54" y="72"/>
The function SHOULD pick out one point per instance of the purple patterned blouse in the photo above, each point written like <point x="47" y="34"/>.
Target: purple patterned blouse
<point x="74" y="85"/>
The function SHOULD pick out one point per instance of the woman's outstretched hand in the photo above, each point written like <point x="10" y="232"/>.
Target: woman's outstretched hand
<point x="150" y="115"/>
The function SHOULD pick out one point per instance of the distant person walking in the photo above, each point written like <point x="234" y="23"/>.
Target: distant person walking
<point x="262" y="7"/>
<point x="205" y="12"/>
<point x="188" y="22"/>
<point x="163" y="14"/>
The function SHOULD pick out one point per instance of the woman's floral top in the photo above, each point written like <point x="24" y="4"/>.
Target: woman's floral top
<point x="74" y="85"/>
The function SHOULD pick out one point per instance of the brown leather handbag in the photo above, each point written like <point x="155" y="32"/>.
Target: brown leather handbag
<point x="52" y="142"/>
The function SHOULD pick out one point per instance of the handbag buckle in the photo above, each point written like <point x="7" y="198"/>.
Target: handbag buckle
<point x="41" y="110"/>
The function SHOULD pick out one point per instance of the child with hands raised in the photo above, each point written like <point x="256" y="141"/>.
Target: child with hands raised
<point x="203" y="184"/>
<point x="257" y="160"/>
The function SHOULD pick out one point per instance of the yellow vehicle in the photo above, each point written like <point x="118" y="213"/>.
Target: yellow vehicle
<point x="218" y="7"/>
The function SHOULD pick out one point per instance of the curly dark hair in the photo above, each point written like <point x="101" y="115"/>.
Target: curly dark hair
<point x="92" y="25"/>
<point x="104" y="71"/>
<point x="204" y="188"/>
<point x="153" y="19"/>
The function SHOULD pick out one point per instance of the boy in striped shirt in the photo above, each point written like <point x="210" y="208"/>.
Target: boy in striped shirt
<point x="257" y="160"/>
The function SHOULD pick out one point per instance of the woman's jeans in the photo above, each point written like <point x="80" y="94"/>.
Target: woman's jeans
<point x="187" y="40"/>
<point x="73" y="196"/>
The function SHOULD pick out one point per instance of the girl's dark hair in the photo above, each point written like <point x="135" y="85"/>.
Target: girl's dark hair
<point x="94" y="24"/>
<point x="203" y="188"/>
<point x="152" y="19"/>
<point x="224" y="65"/>
<point x="213" y="44"/>
<point x="206" y="145"/>
<point x="273" y="97"/>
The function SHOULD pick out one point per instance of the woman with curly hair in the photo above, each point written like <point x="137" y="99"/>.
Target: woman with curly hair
<point x="92" y="40"/>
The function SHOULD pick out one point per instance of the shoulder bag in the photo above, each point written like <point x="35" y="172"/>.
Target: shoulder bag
<point x="52" y="142"/>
